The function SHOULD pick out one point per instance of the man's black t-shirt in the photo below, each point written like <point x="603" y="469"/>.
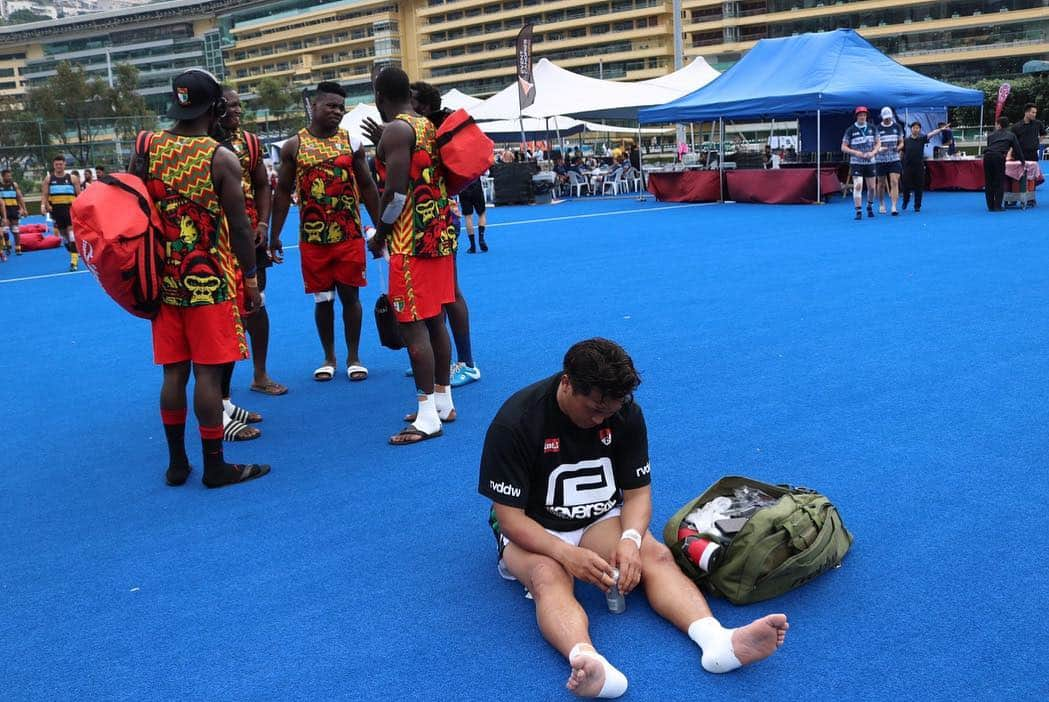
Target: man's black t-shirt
<point x="914" y="150"/>
<point x="1028" y="133"/>
<point x="564" y="477"/>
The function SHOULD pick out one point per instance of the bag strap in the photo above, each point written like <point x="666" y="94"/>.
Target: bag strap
<point x="254" y="149"/>
<point x="143" y="203"/>
<point x="444" y="138"/>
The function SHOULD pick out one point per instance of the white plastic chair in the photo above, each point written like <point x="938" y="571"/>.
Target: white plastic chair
<point x="616" y="182"/>
<point x="577" y="182"/>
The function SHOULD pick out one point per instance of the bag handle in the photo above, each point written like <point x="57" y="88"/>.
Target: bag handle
<point x="444" y="138"/>
<point x="143" y="204"/>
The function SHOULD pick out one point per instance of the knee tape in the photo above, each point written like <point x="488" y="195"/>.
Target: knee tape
<point x="324" y="296"/>
<point x="262" y="299"/>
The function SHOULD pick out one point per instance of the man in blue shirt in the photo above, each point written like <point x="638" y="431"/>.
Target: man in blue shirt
<point x="890" y="138"/>
<point x="861" y="144"/>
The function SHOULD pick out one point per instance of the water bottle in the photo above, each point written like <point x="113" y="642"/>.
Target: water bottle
<point x="616" y="600"/>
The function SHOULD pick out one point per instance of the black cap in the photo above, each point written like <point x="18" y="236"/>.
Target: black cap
<point x="192" y="93"/>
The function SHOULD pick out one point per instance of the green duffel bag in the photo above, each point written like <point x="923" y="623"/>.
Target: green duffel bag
<point x="781" y="547"/>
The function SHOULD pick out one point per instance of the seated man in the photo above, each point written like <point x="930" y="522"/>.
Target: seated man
<point x="566" y="463"/>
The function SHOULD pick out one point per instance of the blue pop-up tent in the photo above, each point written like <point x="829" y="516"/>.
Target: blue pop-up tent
<point x="811" y="74"/>
<point x="807" y="74"/>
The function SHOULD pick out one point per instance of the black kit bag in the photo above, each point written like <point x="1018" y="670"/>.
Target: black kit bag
<point x="387" y="325"/>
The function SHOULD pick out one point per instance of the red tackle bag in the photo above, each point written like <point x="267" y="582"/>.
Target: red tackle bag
<point x="466" y="152"/>
<point x="118" y="234"/>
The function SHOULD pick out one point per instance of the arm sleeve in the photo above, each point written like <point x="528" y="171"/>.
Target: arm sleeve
<point x="631" y="457"/>
<point x="505" y="463"/>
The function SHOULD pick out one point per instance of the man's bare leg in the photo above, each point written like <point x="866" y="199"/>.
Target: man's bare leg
<point x="677" y="599"/>
<point x="894" y="189"/>
<point x="562" y="620"/>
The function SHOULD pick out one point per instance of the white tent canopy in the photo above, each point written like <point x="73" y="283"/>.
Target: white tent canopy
<point x="562" y="92"/>
<point x="456" y="100"/>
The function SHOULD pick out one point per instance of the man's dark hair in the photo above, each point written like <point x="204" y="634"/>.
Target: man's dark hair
<point x="602" y="365"/>
<point x="328" y="87"/>
<point x="393" y="84"/>
<point x="1029" y="106"/>
<point x="100" y="168"/>
<point x="59" y="157"/>
<point x="941" y="124"/>
<point x="229" y="89"/>
<point x="427" y="95"/>
<point x="5" y="171"/>
<point x="1003" y="122"/>
<point x="916" y="124"/>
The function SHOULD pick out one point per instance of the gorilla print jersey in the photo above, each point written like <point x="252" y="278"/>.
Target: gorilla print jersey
<point x="563" y="476"/>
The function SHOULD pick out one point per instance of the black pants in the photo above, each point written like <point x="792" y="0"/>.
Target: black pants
<point x="994" y="179"/>
<point x="913" y="182"/>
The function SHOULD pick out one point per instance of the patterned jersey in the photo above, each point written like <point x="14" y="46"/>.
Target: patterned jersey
<point x="328" y="195"/>
<point x="424" y="228"/>
<point x="238" y="144"/>
<point x="60" y="191"/>
<point x="891" y="137"/>
<point x="861" y="139"/>
<point x="199" y="268"/>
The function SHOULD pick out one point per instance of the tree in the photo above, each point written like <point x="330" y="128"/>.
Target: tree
<point x="67" y="100"/>
<point x="23" y="16"/>
<point x="19" y="135"/>
<point x="1029" y="88"/>
<point x="130" y="109"/>
<point x="279" y="98"/>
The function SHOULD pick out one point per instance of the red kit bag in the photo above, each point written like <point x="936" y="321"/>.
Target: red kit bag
<point x="466" y="152"/>
<point x="118" y="234"/>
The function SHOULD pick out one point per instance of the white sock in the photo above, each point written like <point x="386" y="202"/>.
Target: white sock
<point x="427" y="420"/>
<point x="443" y="401"/>
<point x="228" y="406"/>
<point x="716" y="642"/>
<point x="615" y="682"/>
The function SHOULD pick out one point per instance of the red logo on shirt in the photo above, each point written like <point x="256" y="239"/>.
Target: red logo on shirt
<point x="606" y="436"/>
<point x="551" y="445"/>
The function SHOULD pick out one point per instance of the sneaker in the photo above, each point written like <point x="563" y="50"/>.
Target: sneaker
<point x="870" y="210"/>
<point x="73" y="267"/>
<point x="484" y="246"/>
<point x="409" y="373"/>
<point x="881" y="209"/>
<point x="917" y="209"/>
<point x="859" y="215"/>
<point x="895" y="213"/>
<point x="463" y="374"/>
<point x="471" y="250"/>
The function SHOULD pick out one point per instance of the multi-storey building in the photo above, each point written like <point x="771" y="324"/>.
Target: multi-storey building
<point x="339" y="40"/>
<point x="957" y="41"/>
<point x="469" y="44"/>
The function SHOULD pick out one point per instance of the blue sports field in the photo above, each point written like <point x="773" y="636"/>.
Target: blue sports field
<point x="899" y="365"/>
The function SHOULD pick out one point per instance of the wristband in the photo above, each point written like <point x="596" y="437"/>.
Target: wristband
<point x="265" y="224"/>
<point x="632" y="535"/>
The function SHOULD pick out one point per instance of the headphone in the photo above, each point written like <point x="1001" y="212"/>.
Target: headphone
<point x="220" y="105"/>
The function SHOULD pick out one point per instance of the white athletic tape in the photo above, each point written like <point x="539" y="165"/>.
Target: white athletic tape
<point x="324" y="296"/>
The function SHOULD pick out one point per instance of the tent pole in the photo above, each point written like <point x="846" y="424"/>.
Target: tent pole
<point x="979" y="135"/>
<point x="721" y="160"/>
<point x="819" y="145"/>
<point x="640" y="164"/>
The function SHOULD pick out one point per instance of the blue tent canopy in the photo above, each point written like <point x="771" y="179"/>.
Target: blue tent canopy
<point x="826" y="72"/>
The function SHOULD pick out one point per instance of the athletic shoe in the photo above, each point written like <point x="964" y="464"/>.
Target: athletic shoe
<point x="917" y="209"/>
<point x="895" y="213"/>
<point x="870" y="210"/>
<point x="463" y="374"/>
<point x="471" y="250"/>
<point x="72" y="267"/>
<point x="859" y="215"/>
<point x="409" y="373"/>
<point x="484" y="246"/>
<point x="881" y="209"/>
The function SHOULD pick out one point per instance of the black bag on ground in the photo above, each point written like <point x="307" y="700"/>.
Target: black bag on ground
<point x="387" y="325"/>
<point x="780" y="547"/>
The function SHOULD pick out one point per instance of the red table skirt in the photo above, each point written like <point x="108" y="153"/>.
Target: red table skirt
<point x="778" y="186"/>
<point x="781" y="186"/>
<point x="685" y="186"/>
<point x="955" y="175"/>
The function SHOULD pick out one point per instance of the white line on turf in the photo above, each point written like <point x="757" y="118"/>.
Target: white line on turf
<point x="598" y="214"/>
<point x="490" y="226"/>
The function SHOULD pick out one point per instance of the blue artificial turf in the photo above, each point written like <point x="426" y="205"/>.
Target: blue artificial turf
<point x="898" y="365"/>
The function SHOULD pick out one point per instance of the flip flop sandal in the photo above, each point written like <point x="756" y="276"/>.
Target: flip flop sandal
<point x="242" y="415"/>
<point x="232" y="428"/>
<point x="248" y="472"/>
<point x="412" y="431"/>
<point x="270" y="388"/>
<point x="357" y="370"/>
<point x="451" y="417"/>
<point x="324" y="373"/>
